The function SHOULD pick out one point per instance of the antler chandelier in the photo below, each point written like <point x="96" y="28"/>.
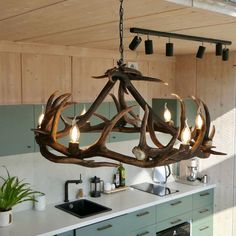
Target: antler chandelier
<point x="194" y="142"/>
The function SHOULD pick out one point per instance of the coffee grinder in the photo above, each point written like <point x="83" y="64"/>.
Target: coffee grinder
<point x="193" y="169"/>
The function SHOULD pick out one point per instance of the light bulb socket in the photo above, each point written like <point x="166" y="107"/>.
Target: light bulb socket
<point x="148" y="46"/>
<point x="225" y="54"/>
<point x="200" y="52"/>
<point x="135" y="42"/>
<point x="169" y="49"/>
<point x="218" y="49"/>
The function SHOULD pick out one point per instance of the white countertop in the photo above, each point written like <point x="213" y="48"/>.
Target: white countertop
<point x="53" y="221"/>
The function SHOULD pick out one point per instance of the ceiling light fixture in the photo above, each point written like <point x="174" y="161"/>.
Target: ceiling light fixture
<point x="169" y="49"/>
<point x="169" y="46"/>
<point x="200" y="52"/>
<point x="196" y="141"/>
<point x="225" y="54"/>
<point x="148" y="46"/>
<point x="218" y="49"/>
<point x="135" y="43"/>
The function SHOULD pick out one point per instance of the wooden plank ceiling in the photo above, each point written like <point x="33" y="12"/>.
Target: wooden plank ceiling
<point x="94" y="23"/>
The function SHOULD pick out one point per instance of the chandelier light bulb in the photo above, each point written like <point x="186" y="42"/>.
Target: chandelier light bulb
<point x="167" y="114"/>
<point x="75" y="134"/>
<point x="198" y="121"/>
<point x="186" y="134"/>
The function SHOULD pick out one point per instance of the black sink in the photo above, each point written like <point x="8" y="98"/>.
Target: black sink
<point x="83" y="208"/>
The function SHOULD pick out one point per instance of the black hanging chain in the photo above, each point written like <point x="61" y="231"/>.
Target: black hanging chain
<point x="121" y="32"/>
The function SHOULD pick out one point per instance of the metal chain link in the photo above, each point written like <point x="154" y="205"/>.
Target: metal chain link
<point x="121" y="32"/>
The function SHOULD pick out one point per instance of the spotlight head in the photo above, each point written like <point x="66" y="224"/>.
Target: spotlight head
<point x="200" y="52"/>
<point x="135" y="42"/>
<point x="148" y="46"/>
<point x="218" y="49"/>
<point x="225" y="54"/>
<point x="169" y="49"/>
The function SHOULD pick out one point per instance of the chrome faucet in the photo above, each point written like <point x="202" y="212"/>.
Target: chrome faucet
<point x="79" y="181"/>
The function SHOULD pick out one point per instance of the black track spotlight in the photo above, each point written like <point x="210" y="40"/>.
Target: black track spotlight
<point x="218" y="49"/>
<point x="169" y="49"/>
<point x="148" y="46"/>
<point x="135" y="42"/>
<point x="200" y="52"/>
<point x="225" y="54"/>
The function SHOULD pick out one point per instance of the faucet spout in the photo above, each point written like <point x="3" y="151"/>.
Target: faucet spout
<point x="79" y="181"/>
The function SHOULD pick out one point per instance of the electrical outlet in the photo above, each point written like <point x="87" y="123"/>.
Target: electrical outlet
<point x="133" y="65"/>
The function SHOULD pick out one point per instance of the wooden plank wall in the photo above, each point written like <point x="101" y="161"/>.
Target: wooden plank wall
<point x="214" y="82"/>
<point x="31" y="72"/>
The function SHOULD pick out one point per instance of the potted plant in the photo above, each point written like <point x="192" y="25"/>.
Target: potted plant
<point x="12" y="192"/>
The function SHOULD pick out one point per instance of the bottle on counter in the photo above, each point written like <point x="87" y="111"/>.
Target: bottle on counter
<point x="117" y="179"/>
<point x="121" y="171"/>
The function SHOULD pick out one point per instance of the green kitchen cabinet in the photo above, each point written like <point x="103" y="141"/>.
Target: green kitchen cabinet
<point x="16" y="122"/>
<point x="114" y="227"/>
<point x="69" y="233"/>
<point x="202" y="217"/>
<point x="89" y="138"/>
<point x="69" y="112"/>
<point x="117" y="136"/>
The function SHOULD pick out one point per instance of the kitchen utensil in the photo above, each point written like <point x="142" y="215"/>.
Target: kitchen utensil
<point x="95" y="186"/>
<point x="161" y="173"/>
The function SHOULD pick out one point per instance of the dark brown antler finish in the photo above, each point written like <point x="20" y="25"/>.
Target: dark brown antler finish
<point x="47" y="134"/>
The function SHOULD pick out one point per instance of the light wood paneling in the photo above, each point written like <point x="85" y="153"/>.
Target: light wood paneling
<point x="10" y="82"/>
<point x="85" y="88"/>
<point x="44" y="74"/>
<point x="164" y="70"/>
<point x="185" y="76"/>
<point x="12" y="8"/>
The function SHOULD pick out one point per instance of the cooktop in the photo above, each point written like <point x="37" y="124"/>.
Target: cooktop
<point x="156" y="189"/>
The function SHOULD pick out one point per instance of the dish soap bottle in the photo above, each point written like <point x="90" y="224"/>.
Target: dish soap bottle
<point x="121" y="171"/>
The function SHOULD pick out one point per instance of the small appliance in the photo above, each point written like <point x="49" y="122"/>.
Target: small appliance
<point x="161" y="173"/>
<point x="193" y="170"/>
<point x="95" y="186"/>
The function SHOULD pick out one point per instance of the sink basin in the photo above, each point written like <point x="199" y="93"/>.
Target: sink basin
<point x="82" y="208"/>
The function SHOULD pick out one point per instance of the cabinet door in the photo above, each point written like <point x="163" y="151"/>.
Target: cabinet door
<point x="112" y="227"/>
<point x="205" y="228"/>
<point x="203" y="198"/>
<point x="117" y="136"/>
<point x="173" y="208"/>
<point x="89" y="138"/>
<point x="69" y="112"/>
<point x="145" y="231"/>
<point x="16" y="122"/>
<point x="69" y="233"/>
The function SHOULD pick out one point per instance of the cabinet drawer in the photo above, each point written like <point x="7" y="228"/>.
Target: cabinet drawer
<point x="110" y="227"/>
<point x="141" y="218"/>
<point x="203" y="198"/>
<point x="146" y="231"/>
<point x="173" y="221"/>
<point x="205" y="228"/>
<point x="202" y="212"/>
<point x="173" y="208"/>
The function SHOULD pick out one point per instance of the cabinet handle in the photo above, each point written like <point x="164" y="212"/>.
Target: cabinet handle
<point x="142" y="214"/>
<point x="175" y="222"/>
<point x="142" y="234"/>
<point x="203" y="211"/>
<point x="204" y="228"/>
<point x="204" y="194"/>
<point x="104" y="227"/>
<point x="176" y="203"/>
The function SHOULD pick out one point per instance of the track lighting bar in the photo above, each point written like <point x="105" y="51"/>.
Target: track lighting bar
<point x="178" y="36"/>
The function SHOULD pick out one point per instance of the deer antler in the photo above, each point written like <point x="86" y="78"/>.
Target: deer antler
<point x="47" y="134"/>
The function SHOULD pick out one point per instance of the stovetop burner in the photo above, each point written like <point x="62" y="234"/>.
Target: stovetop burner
<point x="156" y="189"/>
